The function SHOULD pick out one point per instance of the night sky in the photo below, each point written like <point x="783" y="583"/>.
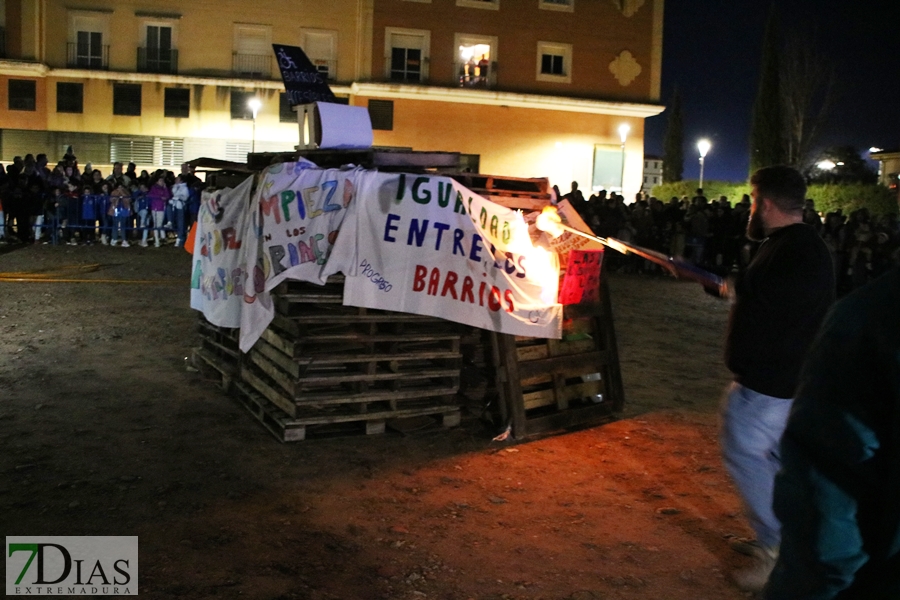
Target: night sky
<point x="712" y="51"/>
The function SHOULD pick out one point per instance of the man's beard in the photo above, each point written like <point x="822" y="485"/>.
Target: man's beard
<point x="756" y="232"/>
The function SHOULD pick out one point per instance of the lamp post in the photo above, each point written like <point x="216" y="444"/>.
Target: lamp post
<point x="703" y="146"/>
<point x="624" y="128"/>
<point x="254" y="104"/>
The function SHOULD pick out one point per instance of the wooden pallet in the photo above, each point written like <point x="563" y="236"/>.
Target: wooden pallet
<point x="547" y="385"/>
<point x="215" y="365"/>
<point x="288" y="429"/>
<point x="318" y="354"/>
<point x="512" y="192"/>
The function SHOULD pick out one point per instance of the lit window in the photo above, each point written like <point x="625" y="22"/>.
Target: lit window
<point x="476" y="60"/>
<point x="554" y="62"/>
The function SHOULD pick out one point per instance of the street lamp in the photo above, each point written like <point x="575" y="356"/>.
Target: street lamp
<point x="703" y="146"/>
<point x="254" y="104"/>
<point x="624" y="128"/>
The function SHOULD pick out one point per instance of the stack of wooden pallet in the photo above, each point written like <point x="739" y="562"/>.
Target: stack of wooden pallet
<point x="323" y="368"/>
<point x="218" y="351"/>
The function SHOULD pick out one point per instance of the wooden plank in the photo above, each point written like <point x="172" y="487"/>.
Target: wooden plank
<point x="284" y="429"/>
<point x="271" y="394"/>
<point x="515" y="405"/>
<point x="526" y="353"/>
<point x="284" y="381"/>
<point x="277" y="341"/>
<point x="564" y="394"/>
<point x="567" y="348"/>
<point x="576" y="364"/>
<point x="350" y="397"/>
<point x="328" y="359"/>
<point x="307" y="383"/>
<point x="584" y="416"/>
<point x="283" y="361"/>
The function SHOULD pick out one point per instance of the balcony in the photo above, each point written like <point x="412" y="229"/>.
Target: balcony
<point x="476" y="75"/>
<point x="328" y="68"/>
<point x="256" y="66"/>
<point x="157" y="60"/>
<point x="83" y="56"/>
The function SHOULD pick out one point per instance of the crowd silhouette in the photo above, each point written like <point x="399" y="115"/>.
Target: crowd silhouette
<point x="70" y="205"/>
<point x="712" y="234"/>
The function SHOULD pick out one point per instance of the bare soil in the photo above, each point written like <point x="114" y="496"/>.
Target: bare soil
<point x="105" y="430"/>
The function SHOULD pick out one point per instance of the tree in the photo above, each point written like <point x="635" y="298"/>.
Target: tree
<point x="673" y="161"/>
<point x="807" y="80"/>
<point x="767" y="139"/>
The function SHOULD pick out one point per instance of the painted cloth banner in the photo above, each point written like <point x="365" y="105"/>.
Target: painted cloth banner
<point x="217" y="280"/>
<point x="427" y="245"/>
<point x="295" y="217"/>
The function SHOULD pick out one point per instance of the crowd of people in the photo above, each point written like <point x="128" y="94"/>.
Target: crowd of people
<point x="713" y="234"/>
<point x="70" y="205"/>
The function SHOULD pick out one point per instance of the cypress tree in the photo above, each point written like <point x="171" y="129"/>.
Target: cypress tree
<point x="673" y="161"/>
<point x="767" y="134"/>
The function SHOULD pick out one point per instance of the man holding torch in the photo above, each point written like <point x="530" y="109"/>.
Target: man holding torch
<point x="779" y="303"/>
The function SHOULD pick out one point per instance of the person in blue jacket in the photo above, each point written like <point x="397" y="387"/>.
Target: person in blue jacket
<point x="838" y="493"/>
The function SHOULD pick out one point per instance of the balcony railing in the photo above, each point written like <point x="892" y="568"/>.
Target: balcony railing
<point x="328" y="68"/>
<point x="92" y="57"/>
<point x="476" y="75"/>
<point x="252" y="65"/>
<point x="157" y="60"/>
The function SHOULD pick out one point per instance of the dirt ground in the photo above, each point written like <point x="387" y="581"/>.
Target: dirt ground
<point x="105" y="431"/>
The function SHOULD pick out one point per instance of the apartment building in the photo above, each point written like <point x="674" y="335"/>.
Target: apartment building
<point x="534" y="87"/>
<point x="653" y="173"/>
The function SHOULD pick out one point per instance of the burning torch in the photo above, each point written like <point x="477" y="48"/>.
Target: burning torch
<point x="551" y="223"/>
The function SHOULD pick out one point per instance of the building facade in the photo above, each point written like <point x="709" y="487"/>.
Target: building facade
<point x="653" y="172"/>
<point x="534" y="87"/>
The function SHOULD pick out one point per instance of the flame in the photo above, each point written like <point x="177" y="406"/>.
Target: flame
<point x="550" y="222"/>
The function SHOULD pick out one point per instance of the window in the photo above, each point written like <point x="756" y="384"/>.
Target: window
<point x="252" y="50"/>
<point x="177" y="103"/>
<point x="22" y="94"/>
<point x="488" y="4"/>
<point x="168" y="152"/>
<point x="554" y="62"/>
<point x="381" y="113"/>
<point x="560" y="5"/>
<point x="137" y="150"/>
<point x="476" y="60"/>
<point x="87" y="34"/>
<point x="127" y="99"/>
<point x="237" y="151"/>
<point x="69" y="97"/>
<point x="607" y="167"/>
<point x="240" y="104"/>
<point x="158" y="53"/>
<point x="321" y="48"/>
<point x="406" y="54"/>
